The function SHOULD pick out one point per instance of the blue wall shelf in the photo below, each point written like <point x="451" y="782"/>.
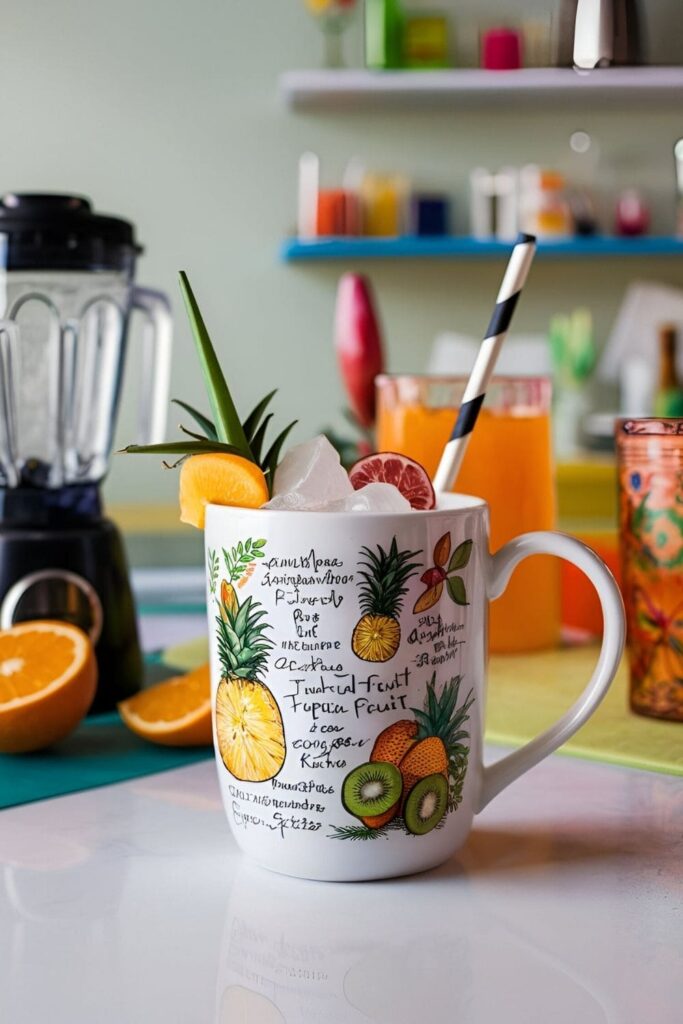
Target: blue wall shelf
<point x="409" y="247"/>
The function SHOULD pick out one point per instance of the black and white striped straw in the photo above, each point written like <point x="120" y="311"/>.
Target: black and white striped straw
<point x="475" y="391"/>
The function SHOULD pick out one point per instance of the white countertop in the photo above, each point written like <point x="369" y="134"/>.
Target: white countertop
<point x="131" y="904"/>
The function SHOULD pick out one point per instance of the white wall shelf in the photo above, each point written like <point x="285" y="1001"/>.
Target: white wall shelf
<point x="361" y="89"/>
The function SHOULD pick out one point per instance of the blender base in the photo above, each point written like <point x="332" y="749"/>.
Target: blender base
<point x="76" y="574"/>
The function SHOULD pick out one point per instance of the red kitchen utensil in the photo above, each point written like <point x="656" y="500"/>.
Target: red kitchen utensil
<point x="358" y="344"/>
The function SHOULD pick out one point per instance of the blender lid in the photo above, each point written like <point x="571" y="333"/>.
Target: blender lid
<point x="62" y="232"/>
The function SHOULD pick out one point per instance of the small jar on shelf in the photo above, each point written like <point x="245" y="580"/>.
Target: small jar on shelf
<point x="544" y="209"/>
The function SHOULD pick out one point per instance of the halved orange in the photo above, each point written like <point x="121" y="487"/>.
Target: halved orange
<point x="175" y="713"/>
<point x="48" y="676"/>
<point x="220" y="479"/>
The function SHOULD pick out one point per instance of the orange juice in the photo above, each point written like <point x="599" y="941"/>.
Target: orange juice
<point x="509" y="464"/>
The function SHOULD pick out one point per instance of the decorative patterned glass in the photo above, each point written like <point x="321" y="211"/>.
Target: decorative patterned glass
<point x="650" y="453"/>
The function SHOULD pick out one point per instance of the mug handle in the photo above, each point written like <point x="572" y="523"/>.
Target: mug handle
<point x="499" y="775"/>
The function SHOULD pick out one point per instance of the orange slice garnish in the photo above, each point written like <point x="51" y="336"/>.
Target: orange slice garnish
<point x="175" y="713"/>
<point x="219" y="479"/>
<point x="48" y="676"/>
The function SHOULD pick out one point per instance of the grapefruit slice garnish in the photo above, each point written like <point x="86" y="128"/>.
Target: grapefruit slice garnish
<point x="411" y="479"/>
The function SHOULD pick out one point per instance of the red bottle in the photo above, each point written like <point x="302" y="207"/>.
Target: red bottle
<point x="501" y="49"/>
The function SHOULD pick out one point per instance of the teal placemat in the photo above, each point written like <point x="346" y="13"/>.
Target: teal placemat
<point x="100" y="751"/>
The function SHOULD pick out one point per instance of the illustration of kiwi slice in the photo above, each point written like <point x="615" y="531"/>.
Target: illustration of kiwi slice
<point x="426" y="804"/>
<point x="372" y="789"/>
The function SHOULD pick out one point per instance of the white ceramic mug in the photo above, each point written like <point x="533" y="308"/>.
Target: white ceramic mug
<point x="348" y="666"/>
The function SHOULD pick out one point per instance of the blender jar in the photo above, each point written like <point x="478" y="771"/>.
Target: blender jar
<point x="66" y="284"/>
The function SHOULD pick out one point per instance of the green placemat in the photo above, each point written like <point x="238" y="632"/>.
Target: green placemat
<point x="527" y="693"/>
<point x="100" y="751"/>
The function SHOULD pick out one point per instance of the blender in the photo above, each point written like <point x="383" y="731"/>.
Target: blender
<point x="67" y="294"/>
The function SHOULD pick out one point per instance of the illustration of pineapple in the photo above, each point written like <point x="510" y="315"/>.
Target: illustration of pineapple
<point x="439" y="749"/>
<point x="377" y="634"/>
<point x="251" y="737"/>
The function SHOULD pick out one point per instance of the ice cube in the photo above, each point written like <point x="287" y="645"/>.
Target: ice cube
<point x="375" y="497"/>
<point x="310" y="476"/>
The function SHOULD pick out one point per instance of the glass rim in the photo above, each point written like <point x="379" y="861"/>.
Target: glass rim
<point x="462" y="378"/>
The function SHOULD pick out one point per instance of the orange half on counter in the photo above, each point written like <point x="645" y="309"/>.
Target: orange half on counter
<point x="48" y="676"/>
<point x="175" y="713"/>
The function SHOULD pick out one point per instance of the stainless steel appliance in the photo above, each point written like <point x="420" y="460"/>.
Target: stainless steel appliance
<point x="67" y="294"/>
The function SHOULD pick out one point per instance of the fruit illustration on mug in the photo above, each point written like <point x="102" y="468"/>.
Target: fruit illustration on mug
<point x="416" y="771"/>
<point x="251" y="737"/>
<point x="384" y="575"/>
<point x="228" y="600"/>
<point x="249" y="730"/>
<point x="444" y="572"/>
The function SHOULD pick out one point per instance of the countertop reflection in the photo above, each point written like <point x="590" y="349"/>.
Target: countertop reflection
<point x="131" y="903"/>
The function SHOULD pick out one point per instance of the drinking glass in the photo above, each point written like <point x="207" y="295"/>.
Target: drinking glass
<point x="334" y="17"/>
<point x="650" y="453"/>
<point x="509" y="463"/>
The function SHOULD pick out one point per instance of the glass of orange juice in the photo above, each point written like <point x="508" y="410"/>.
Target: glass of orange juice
<point x="509" y="463"/>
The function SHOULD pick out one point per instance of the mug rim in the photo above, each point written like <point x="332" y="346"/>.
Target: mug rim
<point x="473" y="504"/>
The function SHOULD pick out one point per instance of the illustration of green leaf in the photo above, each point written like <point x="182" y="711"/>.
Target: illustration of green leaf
<point x="213" y="569"/>
<point x="456" y="589"/>
<point x="361" y="832"/>
<point x="460" y="556"/>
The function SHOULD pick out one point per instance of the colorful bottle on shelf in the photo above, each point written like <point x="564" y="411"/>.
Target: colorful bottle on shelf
<point x="384" y="201"/>
<point x="425" y="41"/>
<point x="544" y="210"/>
<point x="383" y="34"/>
<point x="669" y="397"/>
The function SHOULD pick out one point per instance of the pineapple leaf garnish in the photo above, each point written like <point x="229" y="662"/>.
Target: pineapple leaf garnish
<point x="191" y="433"/>
<point x="227" y="422"/>
<point x="251" y="424"/>
<point x="225" y="433"/>
<point x="272" y="456"/>
<point x="201" y="447"/>
<point x="200" y="419"/>
<point x="259" y="437"/>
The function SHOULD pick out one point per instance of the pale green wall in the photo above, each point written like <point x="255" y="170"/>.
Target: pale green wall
<point x="167" y="112"/>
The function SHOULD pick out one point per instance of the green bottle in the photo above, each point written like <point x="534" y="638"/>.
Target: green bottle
<point x="383" y="34"/>
<point x="669" y="397"/>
